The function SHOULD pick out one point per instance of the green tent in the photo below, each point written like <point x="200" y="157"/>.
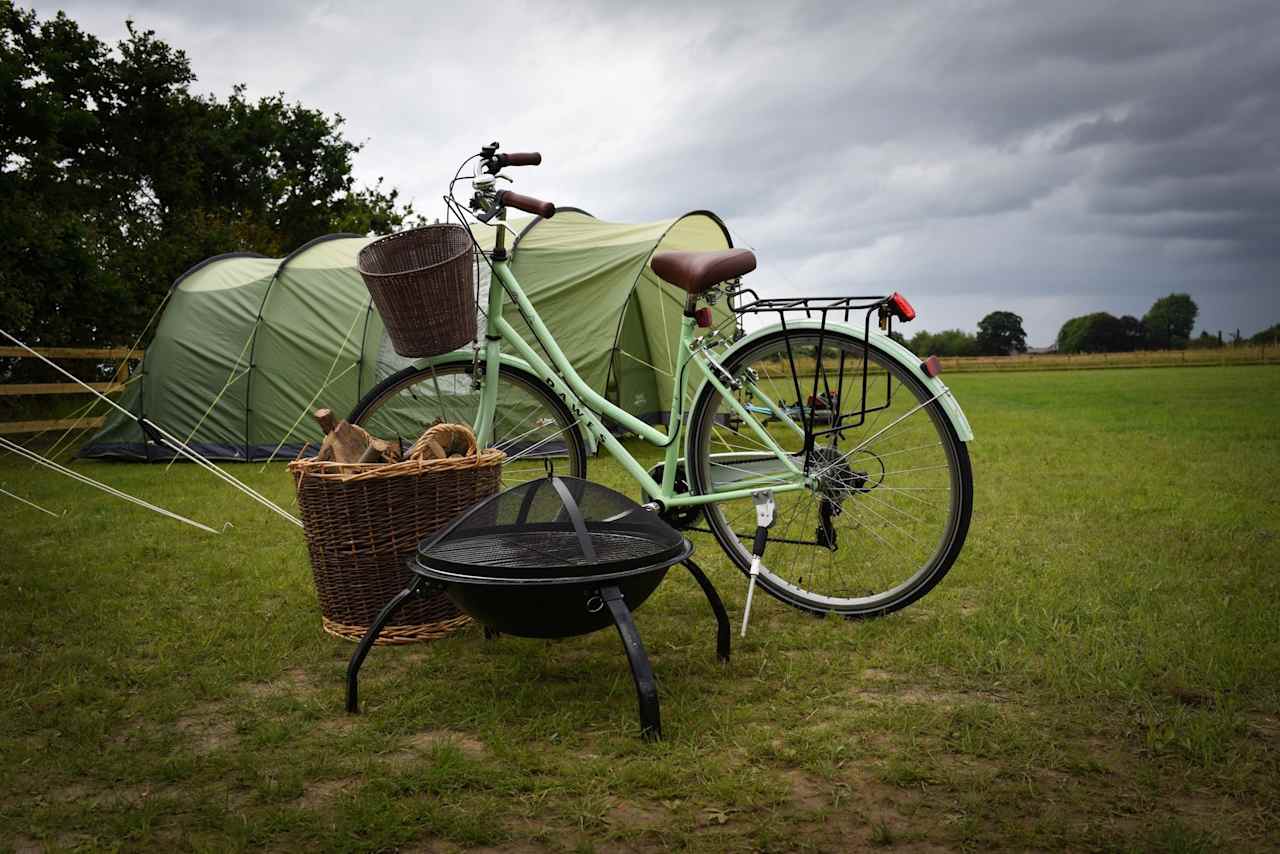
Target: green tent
<point x="247" y="346"/>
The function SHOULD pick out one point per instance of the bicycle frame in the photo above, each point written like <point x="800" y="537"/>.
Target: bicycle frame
<point x="588" y="406"/>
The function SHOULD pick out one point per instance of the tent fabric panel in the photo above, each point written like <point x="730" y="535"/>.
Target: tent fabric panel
<point x="633" y="383"/>
<point x="197" y="367"/>
<point x="199" y="348"/>
<point x="305" y="353"/>
<point x="576" y="230"/>
<point x="229" y="272"/>
<point x="120" y="437"/>
<point x="661" y="305"/>
<point x="579" y="293"/>
<point x="329" y="252"/>
<point x="371" y="336"/>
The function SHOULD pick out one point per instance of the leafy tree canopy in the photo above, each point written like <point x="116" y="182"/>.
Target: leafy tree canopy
<point x="1000" y="333"/>
<point x="949" y="342"/>
<point x="1270" y="335"/>
<point x="115" y="178"/>
<point x="1170" y="320"/>
<point x="1099" y="332"/>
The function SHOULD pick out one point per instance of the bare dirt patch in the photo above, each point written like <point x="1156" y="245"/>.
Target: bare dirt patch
<point x="80" y="792"/>
<point x="207" y="734"/>
<point x="515" y="846"/>
<point x="634" y="816"/>
<point x="339" y="726"/>
<point x="886" y="695"/>
<point x="1265" y="726"/>
<point x="292" y="681"/>
<point x="26" y="845"/>
<point x="321" y="792"/>
<point x="861" y="813"/>
<point x="807" y="793"/>
<point x="425" y="741"/>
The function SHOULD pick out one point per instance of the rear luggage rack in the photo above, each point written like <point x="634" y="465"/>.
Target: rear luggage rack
<point x="885" y="309"/>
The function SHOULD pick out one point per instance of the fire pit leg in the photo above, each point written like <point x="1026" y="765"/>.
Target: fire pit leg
<point x="641" y="670"/>
<point x="717" y="605"/>
<point x="371" y="635"/>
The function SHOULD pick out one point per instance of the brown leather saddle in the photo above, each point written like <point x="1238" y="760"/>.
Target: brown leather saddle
<point x="697" y="272"/>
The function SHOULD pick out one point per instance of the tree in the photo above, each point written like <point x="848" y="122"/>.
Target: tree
<point x="949" y="342"/>
<point x="1000" y="333"/>
<point x="1206" y="341"/>
<point x="1099" y="332"/>
<point x="1133" y="333"/>
<point x="115" y="178"/>
<point x="1270" y="335"/>
<point x="1170" y="320"/>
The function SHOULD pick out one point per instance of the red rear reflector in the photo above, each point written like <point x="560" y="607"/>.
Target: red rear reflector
<point x="703" y="316"/>
<point x="931" y="366"/>
<point x="901" y="308"/>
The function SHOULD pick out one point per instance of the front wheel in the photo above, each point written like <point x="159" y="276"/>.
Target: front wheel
<point x="532" y="425"/>
<point x="886" y="504"/>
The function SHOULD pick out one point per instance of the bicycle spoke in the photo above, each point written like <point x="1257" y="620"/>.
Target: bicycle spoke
<point x="870" y="495"/>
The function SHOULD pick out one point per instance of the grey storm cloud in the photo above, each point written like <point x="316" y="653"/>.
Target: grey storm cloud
<point x="1045" y="158"/>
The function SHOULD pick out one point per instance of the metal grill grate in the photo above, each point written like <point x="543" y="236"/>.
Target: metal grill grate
<point x="551" y="528"/>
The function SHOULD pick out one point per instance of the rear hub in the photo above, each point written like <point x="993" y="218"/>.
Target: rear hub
<point x="835" y="480"/>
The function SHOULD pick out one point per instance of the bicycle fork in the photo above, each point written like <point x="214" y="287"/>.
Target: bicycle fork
<point x="764" y="521"/>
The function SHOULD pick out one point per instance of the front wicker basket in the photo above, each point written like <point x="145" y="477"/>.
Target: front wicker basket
<point x="362" y="520"/>
<point x="423" y="284"/>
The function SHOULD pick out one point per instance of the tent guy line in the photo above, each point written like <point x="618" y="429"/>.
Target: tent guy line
<point x="164" y="437"/>
<point x="133" y="348"/>
<point x="328" y="380"/>
<point x="232" y="379"/>
<point x="88" y="481"/>
<point x="4" y="491"/>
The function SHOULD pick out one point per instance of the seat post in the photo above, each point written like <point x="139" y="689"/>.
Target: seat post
<point x="690" y="305"/>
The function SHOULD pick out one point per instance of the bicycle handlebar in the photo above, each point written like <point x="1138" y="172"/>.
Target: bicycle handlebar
<point x="519" y="158"/>
<point x="528" y="204"/>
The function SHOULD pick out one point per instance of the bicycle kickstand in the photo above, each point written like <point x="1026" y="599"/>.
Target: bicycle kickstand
<point x="764" y="521"/>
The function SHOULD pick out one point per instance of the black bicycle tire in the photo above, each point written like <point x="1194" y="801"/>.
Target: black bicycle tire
<point x="532" y="383"/>
<point x="942" y="564"/>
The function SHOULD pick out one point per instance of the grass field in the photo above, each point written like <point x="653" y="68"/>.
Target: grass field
<point x="1100" y="670"/>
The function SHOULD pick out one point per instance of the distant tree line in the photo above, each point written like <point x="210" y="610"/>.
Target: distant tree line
<point x="1270" y="335"/>
<point x="115" y="178"/>
<point x="1000" y="333"/>
<point x="1167" y="325"/>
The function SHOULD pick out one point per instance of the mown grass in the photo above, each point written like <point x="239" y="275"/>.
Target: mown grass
<point x="1100" y="670"/>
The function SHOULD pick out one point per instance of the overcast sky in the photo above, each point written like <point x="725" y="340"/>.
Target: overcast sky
<point x="1048" y="158"/>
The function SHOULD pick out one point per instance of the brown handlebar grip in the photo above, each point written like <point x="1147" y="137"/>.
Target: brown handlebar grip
<point x="528" y="204"/>
<point x="520" y="158"/>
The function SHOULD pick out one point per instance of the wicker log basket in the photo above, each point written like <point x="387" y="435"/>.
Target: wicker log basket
<point x="361" y="521"/>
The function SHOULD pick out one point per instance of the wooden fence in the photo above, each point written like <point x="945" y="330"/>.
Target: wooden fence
<point x="1250" y="355"/>
<point x="98" y="354"/>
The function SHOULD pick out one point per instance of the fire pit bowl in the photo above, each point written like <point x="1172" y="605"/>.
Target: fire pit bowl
<point x="554" y="558"/>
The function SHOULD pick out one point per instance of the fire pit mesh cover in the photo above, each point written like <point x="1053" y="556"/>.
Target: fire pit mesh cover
<point x="549" y="528"/>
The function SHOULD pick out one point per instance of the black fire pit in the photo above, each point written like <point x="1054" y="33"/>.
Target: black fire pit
<point x="554" y="558"/>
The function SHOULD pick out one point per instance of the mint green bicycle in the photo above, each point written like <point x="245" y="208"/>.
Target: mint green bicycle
<point x="851" y="443"/>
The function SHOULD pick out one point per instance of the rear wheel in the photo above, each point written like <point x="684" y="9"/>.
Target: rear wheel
<point x="887" y="503"/>
<point x="533" y="426"/>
